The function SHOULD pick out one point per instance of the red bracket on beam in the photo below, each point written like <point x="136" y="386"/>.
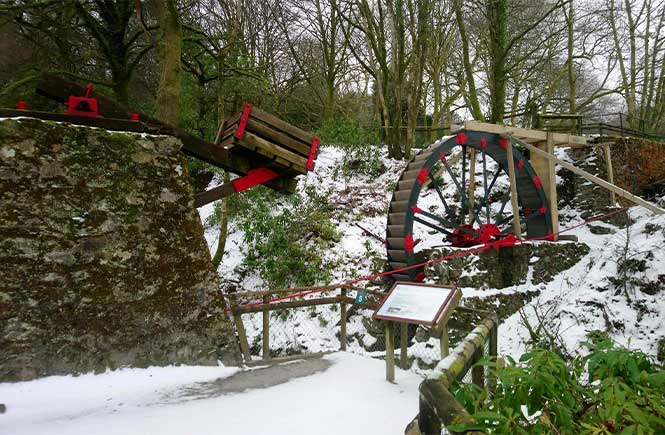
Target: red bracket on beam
<point x="253" y="178"/>
<point x="312" y="153"/>
<point x="243" y="121"/>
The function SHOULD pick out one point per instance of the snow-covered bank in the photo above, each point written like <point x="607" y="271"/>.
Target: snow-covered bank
<point x="350" y="397"/>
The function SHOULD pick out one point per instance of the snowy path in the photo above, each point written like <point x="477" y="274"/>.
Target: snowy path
<point x="351" y="397"/>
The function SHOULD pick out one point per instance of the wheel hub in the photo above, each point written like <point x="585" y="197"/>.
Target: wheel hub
<point x="467" y="235"/>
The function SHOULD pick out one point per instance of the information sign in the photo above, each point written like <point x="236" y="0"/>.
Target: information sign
<point x="418" y="303"/>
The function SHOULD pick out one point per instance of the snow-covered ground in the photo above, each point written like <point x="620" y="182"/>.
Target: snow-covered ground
<point x="581" y="299"/>
<point x="350" y="397"/>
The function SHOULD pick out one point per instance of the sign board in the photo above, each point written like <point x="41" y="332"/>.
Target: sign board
<point x="361" y="297"/>
<point x="418" y="303"/>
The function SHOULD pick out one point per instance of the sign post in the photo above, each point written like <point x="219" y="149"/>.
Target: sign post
<point x="418" y="304"/>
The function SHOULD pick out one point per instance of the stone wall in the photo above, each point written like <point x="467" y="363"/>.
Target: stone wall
<point x="102" y="257"/>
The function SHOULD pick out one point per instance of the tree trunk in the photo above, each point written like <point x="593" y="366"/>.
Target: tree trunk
<point x="497" y="13"/>
<point x="169" y="50"/>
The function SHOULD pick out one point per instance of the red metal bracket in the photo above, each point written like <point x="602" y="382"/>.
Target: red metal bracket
<point x="243" y="121"/>
<point x="312" y="153"/>
<point x="83" y="106"/>
<point x="253" y="178"/>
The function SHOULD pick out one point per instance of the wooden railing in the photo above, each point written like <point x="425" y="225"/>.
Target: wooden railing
<point x="437" y="406"/>
<point x="248" y="302"/>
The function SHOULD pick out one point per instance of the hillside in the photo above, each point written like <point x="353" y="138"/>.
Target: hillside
<point x="615" y="286"/>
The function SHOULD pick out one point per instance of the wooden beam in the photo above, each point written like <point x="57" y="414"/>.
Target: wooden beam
<point x="105" y="123"/>
<point x="242" y="337"/>
<point x="403" y="346"/>
<point x="210" y="195"/>
<point x="610" y="172"/>
<point x="444" y="342"/>
<point x="342" y="326"/>
<point x="291" y="304"/>
<point x="560" y="139"/>
<point x="599" y="181"/>
<point x="517" y="226"/>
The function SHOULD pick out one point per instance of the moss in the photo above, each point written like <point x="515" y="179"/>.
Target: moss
<point x="118" y="276"/>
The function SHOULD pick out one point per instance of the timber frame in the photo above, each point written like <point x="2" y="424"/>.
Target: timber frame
<point x="541" y="145"/>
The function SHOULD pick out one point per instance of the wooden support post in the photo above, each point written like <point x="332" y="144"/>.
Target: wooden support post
<point x="478" y="372"/>
<point x="266" y="329"/>
<point x="444" y="343"/>
<point x="342" y="326"/>
<point x="551" y="185"/>
<point x="390" y="352"/>
<point x="610" y="173"/>
<point x="472" y="182"/>
<point x="242" y="337"/>
<point x="517" y="226"/>
<point x="403" y="346"/>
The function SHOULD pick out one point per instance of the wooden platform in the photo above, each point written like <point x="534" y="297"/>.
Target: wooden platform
<point x="528" y="135"/>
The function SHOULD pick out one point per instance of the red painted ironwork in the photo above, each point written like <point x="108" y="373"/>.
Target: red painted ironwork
<point x="408" y="243"/>
<point x="243" y="121"/>
<point x="442" y="156"/>
<point x="473" y="236"/>
<point x="460" y="138"/>
<point x="503" y="143"/>
<point x="312" y="153"/>
<point x="537" y="182"/>
<point x="83" y="106"/>
<point x="133" y="116"/>
<point x="422" y="175"/>
<point x="21" y="105"/>
<point x="253" y="178"/>
<point x="415" y="209"/>
<point x="483" y="142"/>
<point x="520" y="164"/>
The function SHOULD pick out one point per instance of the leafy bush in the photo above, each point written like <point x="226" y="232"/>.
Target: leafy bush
<point x="284" y="243"/>
<point x="611" y="390"/>
<point x="347" y="133"/>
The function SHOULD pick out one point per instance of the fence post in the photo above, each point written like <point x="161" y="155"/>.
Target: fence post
<point x="342" y="328"/>
<point x="390" y="352"/>
<point x="266" y="329"/>
<point x="240" y="328"/>
<point x="443" y="341"/>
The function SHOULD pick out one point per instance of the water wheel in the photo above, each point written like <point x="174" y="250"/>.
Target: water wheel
<point x="434" y="204"/>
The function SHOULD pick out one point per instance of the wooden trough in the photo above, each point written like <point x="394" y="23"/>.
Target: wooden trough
<point x="256" y="131"/>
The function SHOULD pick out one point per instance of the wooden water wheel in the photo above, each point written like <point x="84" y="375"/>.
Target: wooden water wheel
<point x="456" y="193"/>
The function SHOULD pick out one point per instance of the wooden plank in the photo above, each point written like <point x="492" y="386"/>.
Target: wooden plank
<point x="282" y="125"/>
<point x="242" y="337"/>
<point x="210" y="195"/>
<point x="517" y="226"/>
<point x="551" y="186"/>
<point x="390" y="352"/>
<point x="261" y="293"/>
<point x="105" y="123"/>
<point x="342" y="326"/>
<point x="599" y="181"/>
<point x="610" y="172"/>
<point x="277" y="137"/>
<point x="265" y="351"/>
<point x="269" y="149"/>
<point x="291" y="304"/>
<point x="527" y="134"/>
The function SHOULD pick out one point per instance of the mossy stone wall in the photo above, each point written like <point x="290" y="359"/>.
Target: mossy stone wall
<point x="103" y="263"/>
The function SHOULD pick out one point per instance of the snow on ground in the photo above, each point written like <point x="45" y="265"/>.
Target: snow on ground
<point x="350" y="397"/>
<point x="581" y="298"/>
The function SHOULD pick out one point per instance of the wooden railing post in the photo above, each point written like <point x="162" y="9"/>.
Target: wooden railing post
<point x="444" y="344"/>
<point x="517" y="226"/>
<point x="390" y="352"/>
<point x="342" y="328"/>
<point x="266" y="329"/>
<point x="240" y="328"/>
<point x="494" y="352"/>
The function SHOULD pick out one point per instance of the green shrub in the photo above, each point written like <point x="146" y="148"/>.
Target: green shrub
<point x="285" y="241"/>
<point x="611" y="390"/>
<point x="347" y="133"/>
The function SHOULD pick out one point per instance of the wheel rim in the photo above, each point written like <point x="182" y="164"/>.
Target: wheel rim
<point x="453" y="220"/>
